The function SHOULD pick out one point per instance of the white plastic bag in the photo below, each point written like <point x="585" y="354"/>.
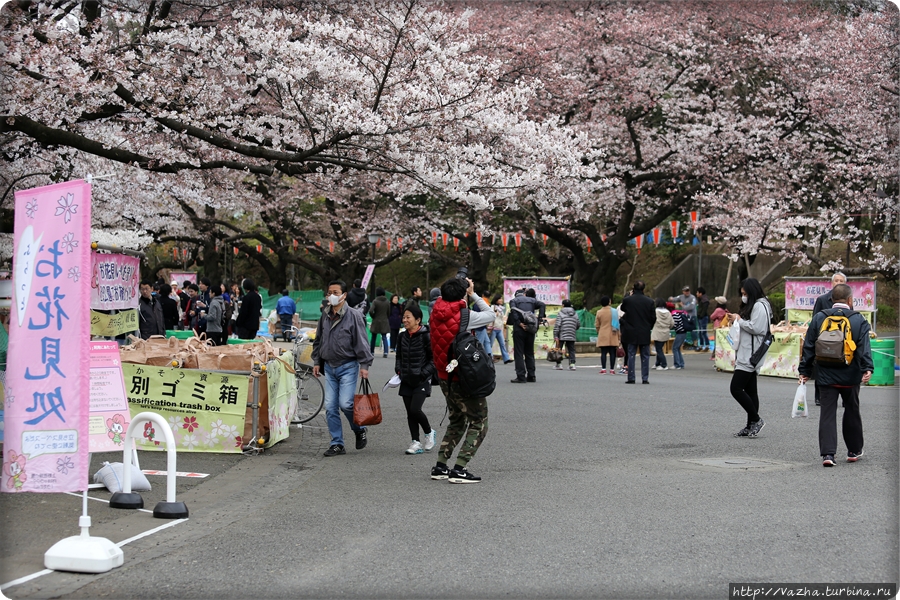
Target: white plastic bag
<point x="734" y="334"/>
<point x="800" y="409"/>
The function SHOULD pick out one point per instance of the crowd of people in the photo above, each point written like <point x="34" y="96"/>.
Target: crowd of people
<point x="640" y="326"/>
<point x="216" y="310"/>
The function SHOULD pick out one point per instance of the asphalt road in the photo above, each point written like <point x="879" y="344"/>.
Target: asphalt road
<point x="592" y="489"/>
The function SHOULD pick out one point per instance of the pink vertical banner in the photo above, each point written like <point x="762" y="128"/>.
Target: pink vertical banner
<point x="48" y="372"/>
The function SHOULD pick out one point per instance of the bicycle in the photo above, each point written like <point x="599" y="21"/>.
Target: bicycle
<point x="310" y="392"/>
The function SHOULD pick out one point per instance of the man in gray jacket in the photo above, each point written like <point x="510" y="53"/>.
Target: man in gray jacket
<point x="341" y="352"/>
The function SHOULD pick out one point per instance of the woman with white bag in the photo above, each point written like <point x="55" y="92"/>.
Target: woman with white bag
<point x="753" y="322"/>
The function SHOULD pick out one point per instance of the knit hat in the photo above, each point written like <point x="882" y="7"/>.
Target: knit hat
<point x="435" y="293"/>
<point x="721" y="300"/>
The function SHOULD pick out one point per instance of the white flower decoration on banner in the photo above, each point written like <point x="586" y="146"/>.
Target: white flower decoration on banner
<point x="67" y="207"/>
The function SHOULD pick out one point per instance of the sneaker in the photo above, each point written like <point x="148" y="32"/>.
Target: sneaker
<point x="828" y="460"/>
<point x="361" y="439"/>
<point x="530" y="380"/>
<point x="603" y="371"/>
<point x="662" y="368"/>
<point x="415" y="448"/>
<point x="629" y="382"/>
<point x="646" y="382"/>
<point x="439" y="472"/>
<point x="679" y="368"/>
<point x="506" y="362"/>
<point x="384" y="356"/>
<point x="429" y="440"/>
<point x="743" y="432"/>
<point x="517" y="381"/>
<point x="335" y="450"/>
<point x="558" y="367"/>
<point x="755" y="428"/>
<point x="854" y="456"/>
<point x="571" y="367"/>
<point x="463" y="476"/>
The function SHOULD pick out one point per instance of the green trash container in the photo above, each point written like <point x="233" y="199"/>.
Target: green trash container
<point x="883" y="357"/>
<point x="181" y="335"/>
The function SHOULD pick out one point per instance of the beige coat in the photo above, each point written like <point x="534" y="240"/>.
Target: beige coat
<point x="664" y="323"/>
<point x="606" y="336"/>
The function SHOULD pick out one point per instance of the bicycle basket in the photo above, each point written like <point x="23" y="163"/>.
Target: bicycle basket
<point x="303" y="353"/>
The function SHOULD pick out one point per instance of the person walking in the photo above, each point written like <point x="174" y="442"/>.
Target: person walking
<point x="636" y="325"/>
<point x="150" y="312"/>
<point x="565" y="331"/>
<point x="395" y="320"/>
<point x="754" y="318"/>
<point x="836" y="379"/>
<point x="689" y="305"/>
<point x="606" y="322"/>
<point x="702" y="320"/>
<point x="523" y="340"/>
<point x="824" y="302"/>
<point x="285" y="308"/>
<point x="380" y="325"/>
<point x="247" y="322"/>
<point x="215" y="317"/>
<point x="661" y="333"/>
<point x="498" y="305"/>
<point x="341" y="353"/>
<point x="413" y="363"/>
<point x="468" y="415"/>
<point x="680" y="320"/>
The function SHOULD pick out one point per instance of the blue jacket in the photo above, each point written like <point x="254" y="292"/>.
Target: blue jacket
<point x="285" y="306"/>
<point x="844" y="376"/>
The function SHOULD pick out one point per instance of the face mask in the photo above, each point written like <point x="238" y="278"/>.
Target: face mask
<point x="744" y="299"/>
<point x="334" y="300"/>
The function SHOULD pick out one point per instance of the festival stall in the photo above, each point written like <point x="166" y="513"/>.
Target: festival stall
<point x="215" y="398"/>
<point x="781" y="360"/>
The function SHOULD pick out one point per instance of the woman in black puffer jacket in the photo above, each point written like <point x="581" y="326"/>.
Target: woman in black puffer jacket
<point x="416" y="369"/>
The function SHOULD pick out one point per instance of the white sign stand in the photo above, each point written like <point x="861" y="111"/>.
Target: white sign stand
<point x="84" y="553"/>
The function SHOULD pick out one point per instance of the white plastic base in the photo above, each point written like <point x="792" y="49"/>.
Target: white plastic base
<point x="84" y="554"/>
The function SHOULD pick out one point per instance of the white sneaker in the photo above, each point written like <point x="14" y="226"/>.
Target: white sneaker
<point x="429" y="440"/>
<point x="414" y="448"/>
<point x="558" y="367"/>
<point x="571" y="367"/>
<point x="662" y="368"/>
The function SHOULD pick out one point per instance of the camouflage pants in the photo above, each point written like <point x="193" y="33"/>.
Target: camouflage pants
<point x="464" y="413"/>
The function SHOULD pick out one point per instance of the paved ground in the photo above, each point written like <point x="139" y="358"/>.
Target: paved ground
<point x="592" y="488"/>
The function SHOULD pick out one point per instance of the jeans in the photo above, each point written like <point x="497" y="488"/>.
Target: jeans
<point x="340" y="386"/>
<point x="660" y="354"/>
<point x="484" y="339"/>
<point x="287" y="321"/>
<point x="702" y="333"/>
<point x="497" y="334"/>
<point x="570" y="350"/>
<point x="677" y="357"/>
<point x="645" y="361"/>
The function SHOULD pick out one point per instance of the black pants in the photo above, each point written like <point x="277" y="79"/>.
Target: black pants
<point x="246" y="334"/>
<point x="644" y="351"/>
<point x="743" y="388"/>
<point x="415" y="418"/>
<point x="611" y="352"/>
<point x="570" y="350"/>
<point x="395" y="335"/>
<point x="219" y="338"/>
<point x="851" y="424"/>
<point x="523" y="351"/>
<point x="660" y="354"/>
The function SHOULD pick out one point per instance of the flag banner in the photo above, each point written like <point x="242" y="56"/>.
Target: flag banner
<point x="518" y="242"/>
<point x="656" y="235"/>
<point x="674" y="225"/>
<point x="589" y="245"/>
<point x="46" y="447"/>
<point x="694" y="217"/>
<point x="478" y="238"/>
<point x="456" y="244"/>
<point x="505" y="239"/>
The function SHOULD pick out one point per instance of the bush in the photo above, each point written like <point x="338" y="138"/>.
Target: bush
<point x="577" y="299"/>
<point x="776" y="299"/>
<point x="886" y="316"/>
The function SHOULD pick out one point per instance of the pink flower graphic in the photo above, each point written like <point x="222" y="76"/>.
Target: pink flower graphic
<point x="116" y="428"/>
<point x="190" y="423"/>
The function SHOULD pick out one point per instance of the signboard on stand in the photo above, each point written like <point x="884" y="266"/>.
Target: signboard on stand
<point x="48" y="375"/>
<point x="548" y="291"/>
<point x="109" y="408"/>
<point x="800" y="297"/>
<point x="114" y="281"/>
<point x="182" y="276"/>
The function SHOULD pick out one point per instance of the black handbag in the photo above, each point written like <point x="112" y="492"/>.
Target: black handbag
<point x="760" y="352"/>
<point x="555" y="355"/>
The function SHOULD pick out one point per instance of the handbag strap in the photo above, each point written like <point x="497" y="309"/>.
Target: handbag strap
<point x="364" y="387"/>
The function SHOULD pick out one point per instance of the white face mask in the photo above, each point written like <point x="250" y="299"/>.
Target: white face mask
<point x="334" y="300"/>
<point x="744" y="299"/>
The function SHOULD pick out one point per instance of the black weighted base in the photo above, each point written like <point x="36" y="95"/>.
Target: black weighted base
<point x="131" y="500"/>
<point x="170" y="510"/>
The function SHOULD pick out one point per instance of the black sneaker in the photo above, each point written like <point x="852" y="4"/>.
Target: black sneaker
<point x="335" y="450"/>
<point x="530" y="379"/>
<point x="463" y="476"/>
<point x="517" y="381"/>
<point x="361" y="439"/>
<point x="755" y="428"/>
<point x="743" y="432"/>
<point x="439" y="472"/>
<point x="854" y="456"/>
<point x="828" y="460"/>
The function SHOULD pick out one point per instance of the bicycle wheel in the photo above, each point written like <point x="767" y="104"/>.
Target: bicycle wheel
<point x="310" y="397"/>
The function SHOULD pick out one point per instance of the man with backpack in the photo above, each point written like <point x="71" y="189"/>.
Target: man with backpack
<point x="824" y="302"/>
<point x="465" y="386"/>
<point x="525" y="313"/>
<point x="838" y="342"/>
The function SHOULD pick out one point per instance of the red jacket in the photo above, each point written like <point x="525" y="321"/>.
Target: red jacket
<point x="444" y="325"/>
